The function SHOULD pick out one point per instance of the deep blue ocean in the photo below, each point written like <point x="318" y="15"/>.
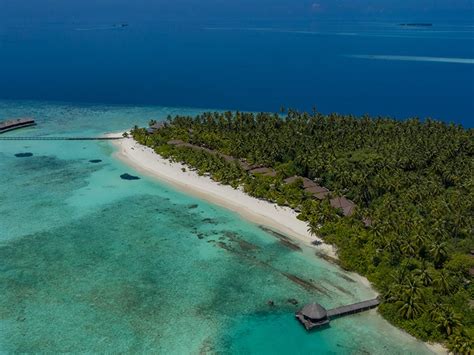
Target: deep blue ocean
<point x="375" y="67"/>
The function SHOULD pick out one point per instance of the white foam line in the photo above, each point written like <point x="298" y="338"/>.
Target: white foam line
<point x="416" y="58"/>
<point x="398" y="34"/>
<point x="97" y="28"/>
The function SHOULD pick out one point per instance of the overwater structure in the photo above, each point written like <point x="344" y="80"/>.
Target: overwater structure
<point x="314" y="315"/>
<point x="10" y="125"/>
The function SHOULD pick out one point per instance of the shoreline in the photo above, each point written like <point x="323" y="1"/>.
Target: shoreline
<point x="260" y="212"/>
<point x="281" y="219"/>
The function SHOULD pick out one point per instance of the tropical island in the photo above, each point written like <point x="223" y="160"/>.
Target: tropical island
<point x="395" y="197"/>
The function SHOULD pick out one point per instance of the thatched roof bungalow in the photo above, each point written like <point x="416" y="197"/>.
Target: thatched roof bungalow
<point x="308" y="183"/>
<point x="313" y="315"/>
<point x="344" y="204"/>
<point x="310" y="187"/>
<point x="318" y="191"/>
<point x="292" y="179"/>
<point x="245" y="166"/>
<point x="158" y="125"/>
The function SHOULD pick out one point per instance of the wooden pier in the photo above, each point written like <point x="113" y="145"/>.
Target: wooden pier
<point x="314" y="315"/>
<point x="46" y="138"/>
<point x="353" y="308"/>
<point x="10" y="125"/>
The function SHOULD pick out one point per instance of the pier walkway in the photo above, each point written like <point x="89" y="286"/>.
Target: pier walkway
<point x="10" y="125"/>
<point x="59" y="138"/>
<point x="353" y="308"/>
<point x="314" y="315"/>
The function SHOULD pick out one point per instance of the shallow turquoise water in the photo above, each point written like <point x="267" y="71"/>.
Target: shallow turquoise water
<point x="90" y="262"/>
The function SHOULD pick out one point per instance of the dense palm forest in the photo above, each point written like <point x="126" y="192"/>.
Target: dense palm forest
<point x="413" y="180"/>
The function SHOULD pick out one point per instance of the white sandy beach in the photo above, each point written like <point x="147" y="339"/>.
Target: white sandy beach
<point x="282" y="219"/>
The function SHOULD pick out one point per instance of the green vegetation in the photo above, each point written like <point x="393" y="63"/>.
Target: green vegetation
<point x="413" y="179"/>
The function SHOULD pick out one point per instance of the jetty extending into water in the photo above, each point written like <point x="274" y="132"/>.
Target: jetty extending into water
<point x="10" y="125"/>
<point x="314" y="315"/>
<point x="48" y="138"/>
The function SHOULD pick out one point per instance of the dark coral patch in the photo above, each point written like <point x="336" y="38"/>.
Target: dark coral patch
<point x="210" y="221"/>
<point x="129" y="177"/>
<point x="23" y="155"/>
<point x="95" y="161"/>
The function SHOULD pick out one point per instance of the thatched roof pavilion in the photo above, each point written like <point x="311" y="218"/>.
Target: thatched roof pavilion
<point x="308" y="183"/>
<point x="314" y="311"/>
<point x="322" y="195"/>
<point x="318" y="191"/>
<point x="313" y="315"/>
<point x="158" y="125"/>
<point x="310" y="187"/>
<point x="292" y="179"/>
<point x="346" y="205"/>
<point x="244" y="165"/>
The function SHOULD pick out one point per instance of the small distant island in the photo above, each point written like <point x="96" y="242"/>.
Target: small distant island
<point x="416" y="24"/>
<point x="395" y="197"/>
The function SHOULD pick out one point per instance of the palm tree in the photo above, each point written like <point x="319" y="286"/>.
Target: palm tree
<point x="407" y="294"/>
<point x="424" y="275"/>
<point x="448" y="321"/>
<point x="313" y="227"/>
<point x="460" y="344"/>
<point x="409" y="308"/>
<point x="439" y="253"/>
<point x="408" y="248"/>
<point x="413" y="288"/>
<point x="419" y="241"/>
<point x="443" y="282"/>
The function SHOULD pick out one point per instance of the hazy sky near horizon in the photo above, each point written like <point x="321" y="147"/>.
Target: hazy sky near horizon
<point x="428" y="10"/>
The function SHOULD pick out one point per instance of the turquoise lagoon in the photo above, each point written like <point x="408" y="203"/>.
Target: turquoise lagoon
<point x="93" y="263"/>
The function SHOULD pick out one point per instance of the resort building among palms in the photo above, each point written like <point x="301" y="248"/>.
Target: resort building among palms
<point x="310" y="187"/>
<point x="344" y="204"/>
<point x="155" y="127"/>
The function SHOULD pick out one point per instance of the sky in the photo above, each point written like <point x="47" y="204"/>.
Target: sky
<point x="56" y="10"/>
